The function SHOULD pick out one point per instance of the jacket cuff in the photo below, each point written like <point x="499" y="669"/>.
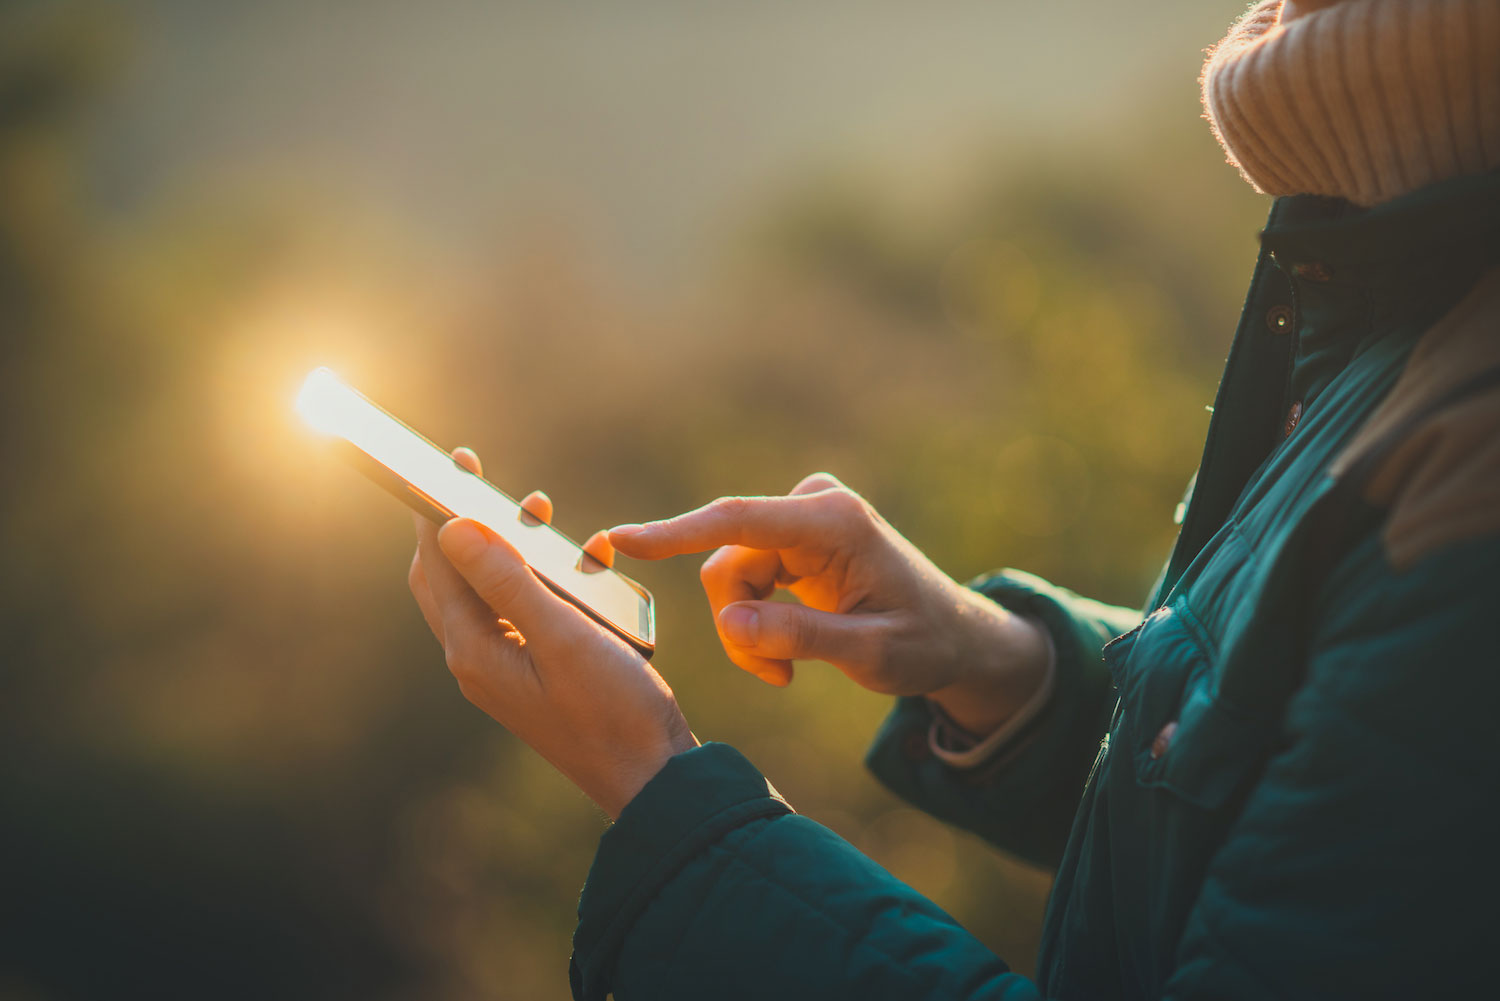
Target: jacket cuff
<point x="1022" y="798"/>
<point x="699" y="796"/>
<point x="958" y="748"/>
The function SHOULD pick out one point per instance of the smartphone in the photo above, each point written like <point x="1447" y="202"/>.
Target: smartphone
<point x="431" y="483"/>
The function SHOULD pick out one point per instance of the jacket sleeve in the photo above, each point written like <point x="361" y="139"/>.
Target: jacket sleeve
<point x="1024" y="800"/>
<point x="1363" y="864"/>
<point x="709" y="886"/>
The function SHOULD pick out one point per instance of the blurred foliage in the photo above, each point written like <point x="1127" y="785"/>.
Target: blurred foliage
<point x="233" y="764"/>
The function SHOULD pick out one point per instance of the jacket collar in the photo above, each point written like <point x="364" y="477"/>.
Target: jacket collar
<point x="1385" y="274"/>
<point x="1318" y="238"/>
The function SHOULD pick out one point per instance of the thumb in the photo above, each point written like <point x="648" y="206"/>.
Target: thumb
<point x="779" y="630"/>
<point x="497" y="573"/>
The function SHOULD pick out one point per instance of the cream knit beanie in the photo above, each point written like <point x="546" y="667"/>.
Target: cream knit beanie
<point x="1365" y="100"/>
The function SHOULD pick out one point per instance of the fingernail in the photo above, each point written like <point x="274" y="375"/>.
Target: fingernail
<point x="741" y="625"/>
<point x="627" y="530"/>
<point x="462" y="540"/>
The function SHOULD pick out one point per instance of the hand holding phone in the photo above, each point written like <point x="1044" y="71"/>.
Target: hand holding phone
<point x="583" y="696"/>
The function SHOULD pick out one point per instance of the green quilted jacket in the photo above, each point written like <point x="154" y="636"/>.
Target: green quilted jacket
<point x="1280" y="782"/>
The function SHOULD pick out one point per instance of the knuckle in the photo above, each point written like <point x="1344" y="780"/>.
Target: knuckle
<point x="804" y="632"/>
<point x="732" y="508"/>
<point x="845" y="505"/>
<point x="500" y="589"/>
<point x="713" y="567"/>
<point x="818" y="481"/>
<point x="457" y="665"/>
<point x="458" y="654"/>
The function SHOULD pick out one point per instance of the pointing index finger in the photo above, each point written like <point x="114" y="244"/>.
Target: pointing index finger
<point x="754" y="522"/>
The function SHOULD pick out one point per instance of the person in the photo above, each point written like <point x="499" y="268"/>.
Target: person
<point x="1279" y="781"/>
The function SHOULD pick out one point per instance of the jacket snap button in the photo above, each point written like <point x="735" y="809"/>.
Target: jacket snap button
<point x="1279" y="319"/>
<point x="1163" y="740"/>
<point x="1312" y="271"/>
<point x="1292" y="417"/>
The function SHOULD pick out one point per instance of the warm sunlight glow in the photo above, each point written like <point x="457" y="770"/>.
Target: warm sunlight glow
<point x="327" y="404"/>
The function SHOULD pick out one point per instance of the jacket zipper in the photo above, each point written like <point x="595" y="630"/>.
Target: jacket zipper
<point x="1103" y="749"/>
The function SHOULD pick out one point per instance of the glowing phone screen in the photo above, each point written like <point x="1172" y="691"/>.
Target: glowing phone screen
<point x="441" y="489"/>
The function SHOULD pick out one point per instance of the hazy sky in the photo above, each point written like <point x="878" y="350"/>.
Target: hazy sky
<point x="648" y="122"/>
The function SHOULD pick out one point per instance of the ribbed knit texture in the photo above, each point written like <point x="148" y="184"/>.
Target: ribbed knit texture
<point x="1365" y="100"/>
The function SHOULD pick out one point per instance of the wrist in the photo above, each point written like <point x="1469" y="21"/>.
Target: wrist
<point x="633" y="774"/>
<point x="1003" y="662"/>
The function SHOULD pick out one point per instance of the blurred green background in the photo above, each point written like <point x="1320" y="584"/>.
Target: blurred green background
<point x="980" y="260"/>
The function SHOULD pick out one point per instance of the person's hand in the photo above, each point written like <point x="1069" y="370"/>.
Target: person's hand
<point x="871" y="603"/>
<point x="580" y="696"/>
